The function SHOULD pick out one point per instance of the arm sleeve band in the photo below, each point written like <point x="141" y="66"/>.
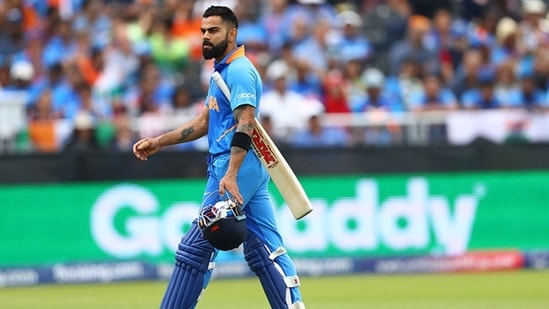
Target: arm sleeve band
<point x="241" y="140"/>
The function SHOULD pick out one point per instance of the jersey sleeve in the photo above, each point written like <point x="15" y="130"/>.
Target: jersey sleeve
<point x="243" y="87"/>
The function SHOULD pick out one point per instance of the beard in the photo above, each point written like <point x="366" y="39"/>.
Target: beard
<point x="215" y="51"/>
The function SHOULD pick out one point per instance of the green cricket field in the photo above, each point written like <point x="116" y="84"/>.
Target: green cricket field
<point x="513" y="289"/>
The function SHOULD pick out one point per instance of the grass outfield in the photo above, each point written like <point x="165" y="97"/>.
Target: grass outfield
<point x="524" y="289"/>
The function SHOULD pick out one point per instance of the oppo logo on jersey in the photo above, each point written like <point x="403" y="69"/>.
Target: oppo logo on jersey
<point x="245" y="95"/>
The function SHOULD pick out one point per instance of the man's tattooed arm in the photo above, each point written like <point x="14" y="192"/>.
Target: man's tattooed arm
<point x="189" y="131"/>
<point x="185" y="133"/>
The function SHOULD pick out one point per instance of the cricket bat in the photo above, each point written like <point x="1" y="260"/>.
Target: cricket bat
<point x="278" y="168"/>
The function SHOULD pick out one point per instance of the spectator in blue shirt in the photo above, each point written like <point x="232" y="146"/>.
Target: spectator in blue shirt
<point x="306" y="82"/>
<point x="380" y="106"/>
<point x="529" y="95"/>
<point x="406" y="82"/>
<point x="275" y="20"/>
<point x="153" y="94"/>
<point x="483" y="96"/>
<point x="506" y="49"/>
<point x="63" y="95"/>
<point x="311" y="11"/>
<point x="377" y="98"/>
<point x="506" y="83"/>
<point x="313" y="50"/>
<point x="352" y="44"/>
<point x="251" y="32"/>
<point x="61" y="47"/>
<point x="413" y="46"/>
<point x="433" y="96"/>
<point x="94" y="20"/>
<point x="466" y="76"/>
<point x="316" y="134"/>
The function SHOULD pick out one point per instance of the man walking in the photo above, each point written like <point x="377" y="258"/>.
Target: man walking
<point x="237" y="182"/>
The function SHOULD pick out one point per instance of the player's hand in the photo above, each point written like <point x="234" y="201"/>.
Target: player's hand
<point x="146" y="147"/>
<point x="228" y="184"/>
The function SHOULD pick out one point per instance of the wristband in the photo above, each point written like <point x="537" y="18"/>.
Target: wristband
<point x="241" y="140"/>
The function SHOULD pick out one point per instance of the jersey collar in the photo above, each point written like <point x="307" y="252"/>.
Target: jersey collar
<point x="233" y="55"/>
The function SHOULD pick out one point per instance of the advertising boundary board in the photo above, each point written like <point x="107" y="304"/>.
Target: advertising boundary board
<point x="77" y="273"/>
<point x="406" y="223"/>
<point x="354" y="216"/>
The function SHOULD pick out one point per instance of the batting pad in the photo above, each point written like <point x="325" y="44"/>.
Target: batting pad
<point x="192" y="271"/>
<point x="281" y="290"/>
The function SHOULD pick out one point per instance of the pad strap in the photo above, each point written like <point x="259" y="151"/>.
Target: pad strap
<point x="292" y="281"/>
<point x="278" y="252"/>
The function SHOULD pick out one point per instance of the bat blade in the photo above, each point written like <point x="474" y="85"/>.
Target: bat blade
<point x="281" y="173"/>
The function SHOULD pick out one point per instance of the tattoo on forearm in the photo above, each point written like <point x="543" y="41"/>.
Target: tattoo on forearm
<point x="247" y="128"/>
<point x="185" y="133"/>
<point x="244" y="126"/>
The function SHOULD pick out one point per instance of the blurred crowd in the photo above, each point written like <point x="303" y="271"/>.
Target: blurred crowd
<point x="86" y="70"/>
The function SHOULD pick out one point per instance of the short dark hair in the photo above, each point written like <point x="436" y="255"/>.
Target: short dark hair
<point x="226" y="14"/>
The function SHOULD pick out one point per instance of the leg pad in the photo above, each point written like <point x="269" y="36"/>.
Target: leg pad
<point x="191" y="272"/>
<point x="274" y="281"/>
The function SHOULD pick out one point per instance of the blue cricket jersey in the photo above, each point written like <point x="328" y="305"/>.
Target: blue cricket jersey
<point x="245" y="85"/>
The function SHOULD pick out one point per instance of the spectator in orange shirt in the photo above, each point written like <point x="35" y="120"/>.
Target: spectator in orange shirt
<point x="42" y="118"/>
<point x="186" y="25"/>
